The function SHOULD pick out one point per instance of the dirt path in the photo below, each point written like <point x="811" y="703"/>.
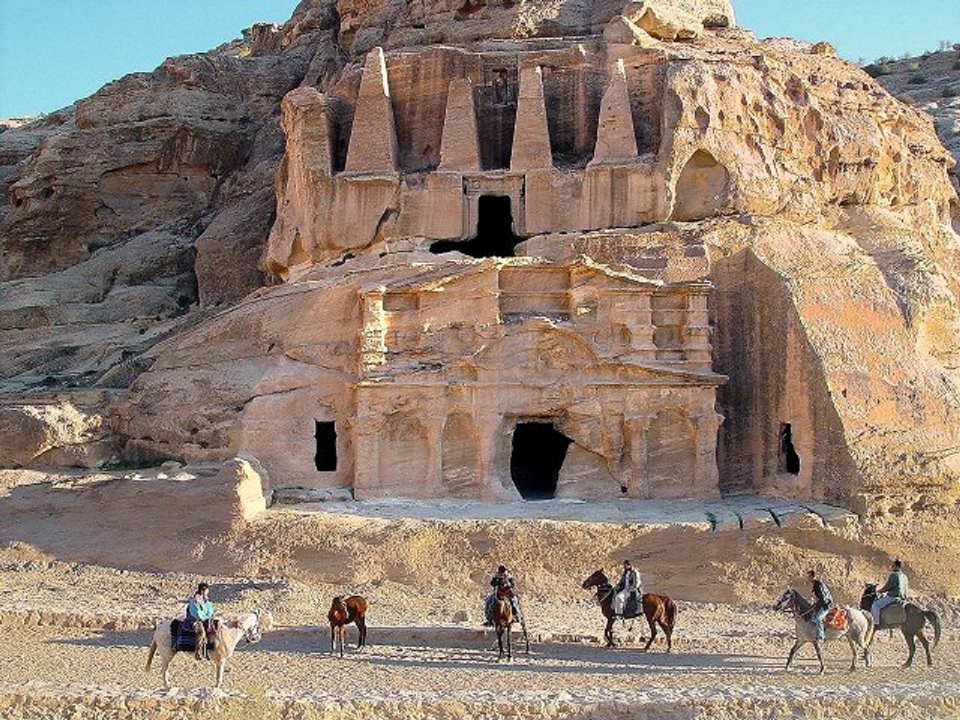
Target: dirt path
<point x="421" y="672"/>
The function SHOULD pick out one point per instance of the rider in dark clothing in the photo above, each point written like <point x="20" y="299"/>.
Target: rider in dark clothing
<point x="822" y="602"/>
<point x="502" y="580"/>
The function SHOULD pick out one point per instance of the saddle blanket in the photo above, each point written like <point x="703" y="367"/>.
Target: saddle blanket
<point x="183" y="639"/>
<point x="835" y="619"/>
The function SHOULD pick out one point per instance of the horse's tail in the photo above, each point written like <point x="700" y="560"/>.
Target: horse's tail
<point x="669" y="612"/>
<point x="934" y="620"/>
<point x="153" y="649"/>
<point x="871" y="628"/>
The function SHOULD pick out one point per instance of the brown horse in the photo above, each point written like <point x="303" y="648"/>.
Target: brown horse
<point x="342" y="613"/>
<point x="658" y="609"/>
<point x="503" y="618"/>
<point x="911" y="620"/>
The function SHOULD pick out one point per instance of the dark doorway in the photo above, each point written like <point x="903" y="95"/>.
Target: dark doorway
<point x="326" y="457"/>
<point x="787" y="459"/>
<point x="495" y="236"/>
<point x="538" y="454"/>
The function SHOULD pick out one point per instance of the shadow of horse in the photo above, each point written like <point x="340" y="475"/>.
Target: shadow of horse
<point x="657" y="609"/>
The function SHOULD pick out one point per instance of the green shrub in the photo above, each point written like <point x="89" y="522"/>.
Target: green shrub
<point x="917" y="79"/>
<point x="877" y="70"/>
<point x="949" y="92"/>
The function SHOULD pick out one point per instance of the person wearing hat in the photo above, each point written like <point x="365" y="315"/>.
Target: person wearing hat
<point x="199" y="617"/>
<point x="895" y="588"/>
<point x="503" y="580"/>
<point x="629" y="588"/>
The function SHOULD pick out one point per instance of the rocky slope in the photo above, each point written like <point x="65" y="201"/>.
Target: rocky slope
<point x="139" y="213"/>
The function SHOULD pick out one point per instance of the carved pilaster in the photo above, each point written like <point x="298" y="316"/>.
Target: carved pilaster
<point x="636" y="429"/>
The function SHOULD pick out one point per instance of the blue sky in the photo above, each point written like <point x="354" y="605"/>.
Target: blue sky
<point x="54" y="52"/>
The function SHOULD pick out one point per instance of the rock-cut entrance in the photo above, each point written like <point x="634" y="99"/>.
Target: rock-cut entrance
<point x="495" y="237"/>
<point x="538" y="454"/>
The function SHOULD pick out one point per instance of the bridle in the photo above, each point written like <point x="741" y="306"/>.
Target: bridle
<point x="793" y="606"/>
<point x="252" y="633"/>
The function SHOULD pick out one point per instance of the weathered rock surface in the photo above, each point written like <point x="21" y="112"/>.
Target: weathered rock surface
<point x="812" y="208"/>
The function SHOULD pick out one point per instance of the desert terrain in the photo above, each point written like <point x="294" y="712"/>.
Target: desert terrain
<point x="77" y="609"/>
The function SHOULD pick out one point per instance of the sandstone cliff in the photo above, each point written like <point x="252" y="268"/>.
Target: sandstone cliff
<point x="176" y="261"/>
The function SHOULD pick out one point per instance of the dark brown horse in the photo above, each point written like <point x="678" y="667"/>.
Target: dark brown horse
<point x="342" y="613"/>
<point x="502" y="616"/>
<point x="911" y="619"/>
<point x="658" y="609"/>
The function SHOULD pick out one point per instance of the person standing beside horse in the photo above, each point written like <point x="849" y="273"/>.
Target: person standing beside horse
<point x="895" y="588"/>
<point x="629" y="588"/>
<point x="822" y="602"/>
<point x="200" y="617"/>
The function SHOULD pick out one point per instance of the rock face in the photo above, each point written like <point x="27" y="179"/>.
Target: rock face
<point x="539" y="249"/>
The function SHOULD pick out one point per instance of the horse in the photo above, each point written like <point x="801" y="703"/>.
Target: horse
<point x="858" y="629"/>
<point x="342" y="613"/>
<point x="503" y="618"/>
<point x="658" y="610"/>
<point x="911" y="623"/>
<point x="248" y="627"/>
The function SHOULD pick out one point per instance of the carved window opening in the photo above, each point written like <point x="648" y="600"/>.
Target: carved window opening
<point x="326" y="435"/>
<point x="495" y="237"/>
<point x="535" y="461"/>
<point x="788" y="461"/>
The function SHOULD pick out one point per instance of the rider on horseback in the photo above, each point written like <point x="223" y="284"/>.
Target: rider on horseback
<point x="502" y="581"/>
<point x="895" y="588"/>
<point x="628" y="590"/>
<point x="199" y="618"/>
<point x="822" y="602"/>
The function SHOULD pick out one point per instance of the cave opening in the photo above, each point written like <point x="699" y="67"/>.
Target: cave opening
<point x="495" y="236"/>
<point x="535" y="461"/>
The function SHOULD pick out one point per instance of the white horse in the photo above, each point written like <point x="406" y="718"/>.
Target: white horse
<point x="246" y="627"/>
<point x="857" y="632"/>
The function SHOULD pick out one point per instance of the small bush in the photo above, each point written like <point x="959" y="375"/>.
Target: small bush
<point x="956" y="65"/>
<point x="948" y="92"/>
<point x="913" y="66"/>
<point x="917" y="80"/>
<point x="877" y="70"/>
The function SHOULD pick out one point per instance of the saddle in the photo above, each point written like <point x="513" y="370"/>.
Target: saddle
<point x="184" y="639"/>
<point x="893" y="615"/>
<point x="632" y="606"/>
<point x="836" y="619"/>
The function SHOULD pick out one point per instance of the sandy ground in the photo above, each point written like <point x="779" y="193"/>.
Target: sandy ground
<point x="77" y="616"/>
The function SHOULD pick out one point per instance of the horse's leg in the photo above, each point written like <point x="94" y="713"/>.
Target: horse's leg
<point x="509" y="650"/>
<point x="912" y="644"/>
<point x="653" y="631"/>
<point x="362" y="632"/>
<point x="165" y="658"/>
<point x="668" y="632"/>
<point x="221" y="664"/>
<point x="793" y="651"/>
<point x="816" y="646"/>
<point x="526" y="638"/>
<point x="341" y="637"/>
<point x="608" y="632"/>
<point x="500" y="643"/>
<point x="853" y="651"/>
<point x="333" y="635"/>
<point x="926" y="647"/>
